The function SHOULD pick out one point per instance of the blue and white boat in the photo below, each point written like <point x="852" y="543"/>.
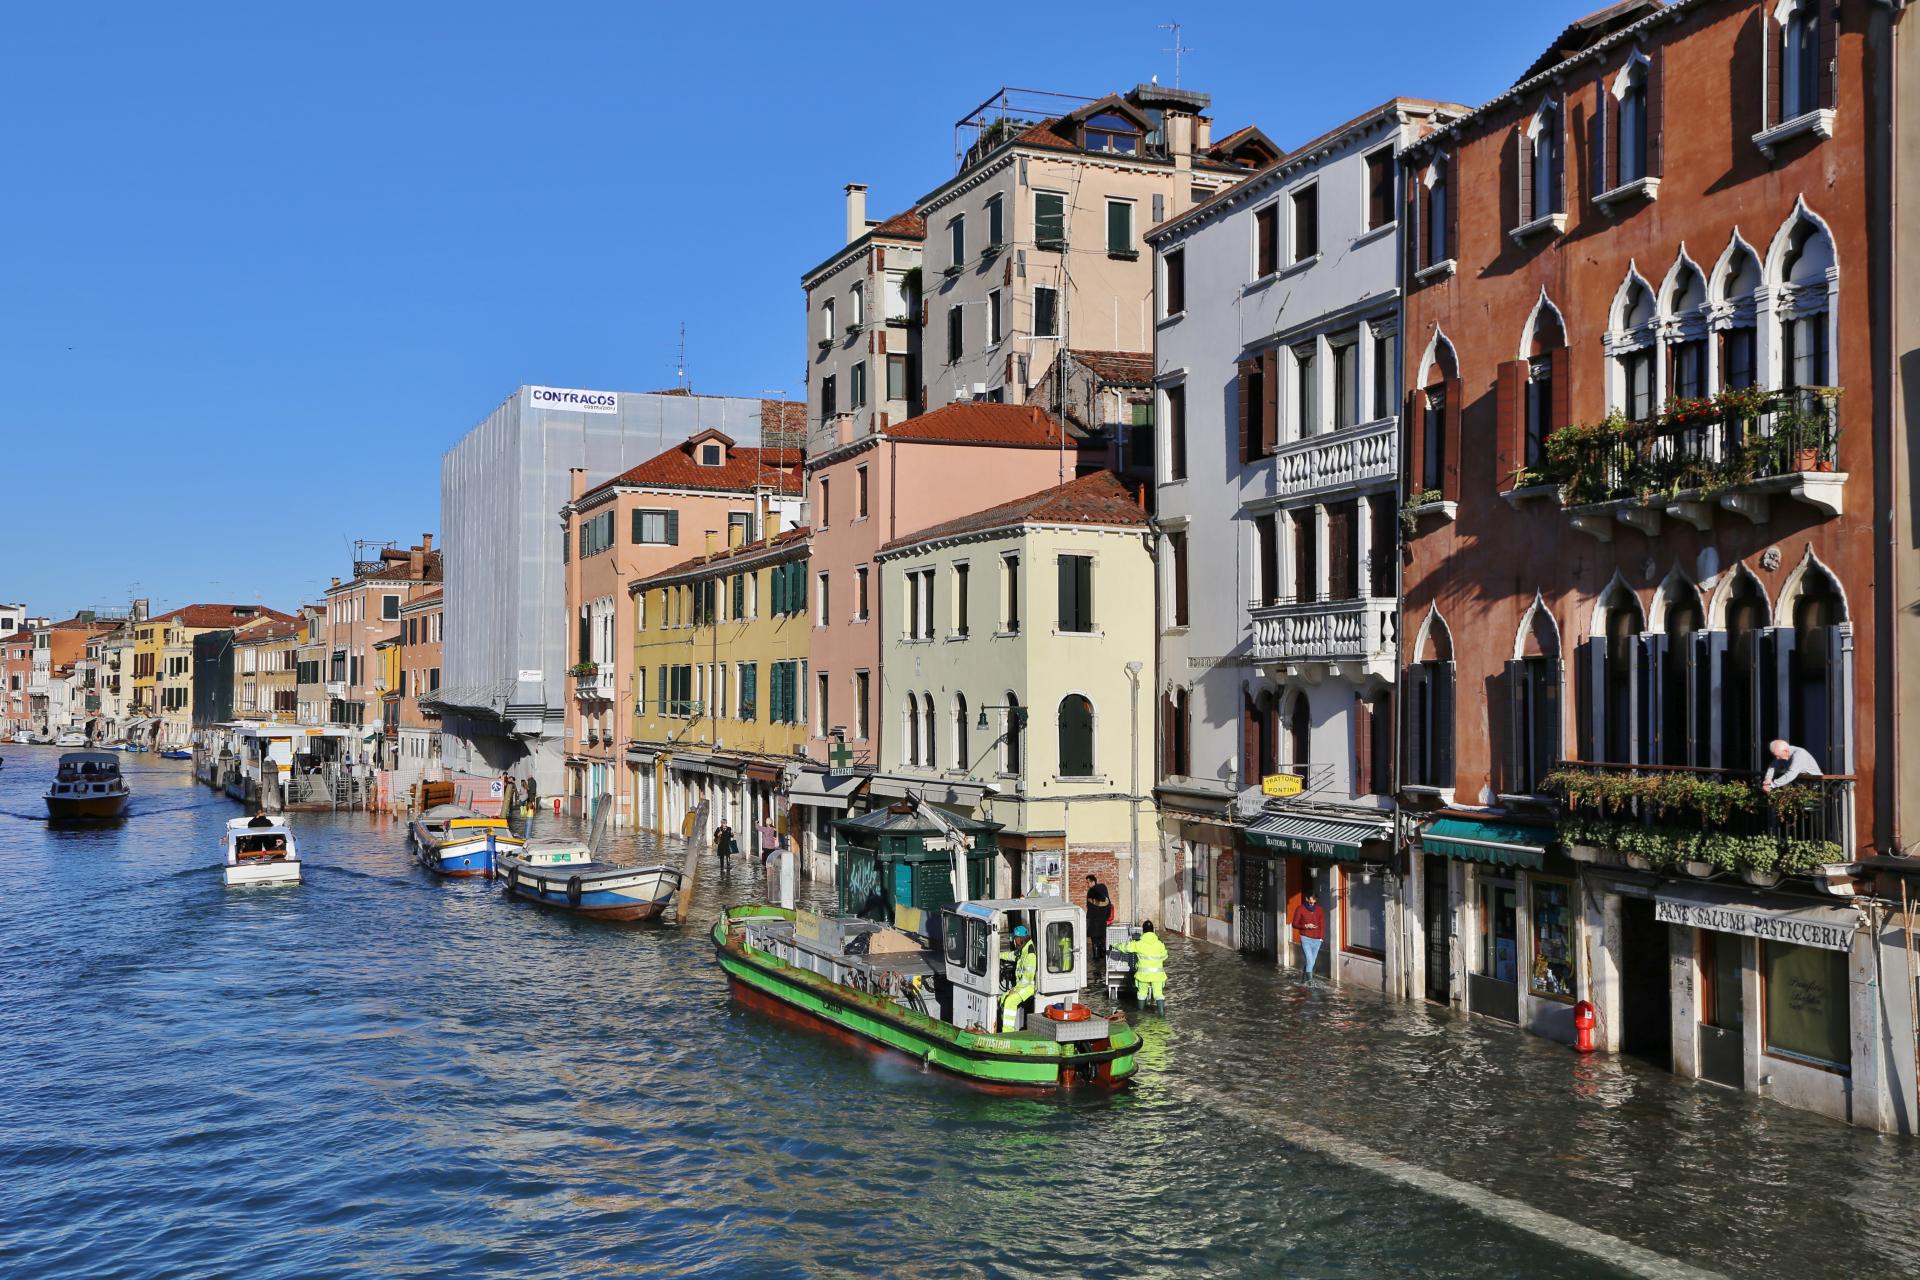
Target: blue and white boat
<point x="453" y="840"/>
<point x="563" y="873"/>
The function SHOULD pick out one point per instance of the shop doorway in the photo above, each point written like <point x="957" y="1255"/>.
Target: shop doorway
<point x="1494" y="987"/>
<point x="1439" y="927"/>
<point x="1723" y="1015"/>
<point x="1259" y="897"/>
<point x="1302" y="876"/>
<point x="1646" y="985"/>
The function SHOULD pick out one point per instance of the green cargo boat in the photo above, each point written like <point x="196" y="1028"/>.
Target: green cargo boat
<point x="935" y="994"/>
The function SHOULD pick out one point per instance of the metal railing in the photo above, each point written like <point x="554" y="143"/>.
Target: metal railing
<point x="1724" y="801"/>
<point x="1779" y="433"/>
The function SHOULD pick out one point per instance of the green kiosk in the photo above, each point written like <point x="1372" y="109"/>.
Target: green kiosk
<point x="894" y="857"/>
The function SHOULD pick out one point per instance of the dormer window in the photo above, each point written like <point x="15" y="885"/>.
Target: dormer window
<point x="711" y="455"/>
<point x="1111" y="132"/>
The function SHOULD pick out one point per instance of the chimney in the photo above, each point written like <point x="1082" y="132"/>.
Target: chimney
<point x="856" y="211"/>
<point x="736" y="536"/>
<point x="772" y="530"/>
<point x="336" y="582"/>
<point x="576" y="483"/>
<point x="417" y="563"/>
<point x="426" y="542"/>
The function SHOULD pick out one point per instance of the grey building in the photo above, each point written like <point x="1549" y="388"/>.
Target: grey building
<point x="502" y="697"/>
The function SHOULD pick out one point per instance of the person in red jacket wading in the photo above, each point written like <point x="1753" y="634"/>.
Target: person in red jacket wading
<point x="1310" y="926"/>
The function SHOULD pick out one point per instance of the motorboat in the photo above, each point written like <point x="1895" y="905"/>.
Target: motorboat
<point x="176" y="753"/>
<point x="87" y="787"/>
<point x="71" y="739"/>
<point x="261" y="850"/>
<point x="563" y="873"/>
<point x="453" y="840"/>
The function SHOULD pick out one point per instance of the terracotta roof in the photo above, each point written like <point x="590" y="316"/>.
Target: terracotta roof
<point x="745" y="467"/>
<point x="731" y="555"/>
<point x="907" y="225"/>
<point x="274" y="629"/>
<point x="78" y="623"/>
<point x="425" y="597"/>
<point x="1097" y="499"/>
<point x="783" y="424"/>
<point x="1134" y="368"/>
<point x="1044" y="135"/>
<point x="977" y="422"/>
<point x="1582" y="33"/>
<point x="219" y="615"/>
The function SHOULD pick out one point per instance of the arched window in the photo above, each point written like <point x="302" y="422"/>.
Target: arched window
<point x="912" y="720"/>
<point x="1631" y="90"/>
<point x="962" y="757"/>
<point x="1429" y="738"/>
<point x="1075" y="719"/>
<point x="1801" y="302"/>
<point x="1546" y="376"/>
<point x="1438" y="242"/>
<point x="1686" y="324"/>
<point x="1799" y="60"/>
<point x="1177" y="735"/>
<point x="1543" y="151"/>
<point x="1439" y="414"/>
<point x="1011" y="753"/>
<point x="1613" y="711"/>
<point x="929" y="735"/>
<point x="1742" y="681"/>
<point x="1816" y="718"/>
<point x="1632" y="345"/>
<point x="1259" y="753"/>
<point x="1739" y="283"/>
<point x="1534" y="679"/>
<point x="1677" y="676"/>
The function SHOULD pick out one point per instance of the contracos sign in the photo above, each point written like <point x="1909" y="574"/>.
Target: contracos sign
<point x="576" y="401"/>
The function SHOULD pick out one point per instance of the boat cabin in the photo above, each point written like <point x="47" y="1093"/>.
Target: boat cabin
<point x="87" y="773"/>
<point x="894" y="858"/>
<point x="554" y="852"/>
<point x="250" y="838"/>
<point x="980" y="955"/>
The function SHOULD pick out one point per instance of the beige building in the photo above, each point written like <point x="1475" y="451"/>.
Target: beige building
<point x="1036" y="243"/>
<point x="265" y="681"/>
<point x="863" y="328"/>
<point x="1018" y="677"/>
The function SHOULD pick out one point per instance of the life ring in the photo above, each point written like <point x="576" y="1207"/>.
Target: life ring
<point x="573" y="891"/>
<point x="1070" y="1013"/>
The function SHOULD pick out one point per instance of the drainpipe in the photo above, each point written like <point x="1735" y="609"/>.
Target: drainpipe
<point x="1133" y="787"/>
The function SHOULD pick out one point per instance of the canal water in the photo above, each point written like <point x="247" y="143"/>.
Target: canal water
<point x="380" y="1074"/>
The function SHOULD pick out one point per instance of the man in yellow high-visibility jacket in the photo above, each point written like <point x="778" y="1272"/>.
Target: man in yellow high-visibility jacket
<point x="1026" y="969"/>
<point x="1149" y="966"/>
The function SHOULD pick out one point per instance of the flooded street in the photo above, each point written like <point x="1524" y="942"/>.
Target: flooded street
<point x="378" y="1073"/>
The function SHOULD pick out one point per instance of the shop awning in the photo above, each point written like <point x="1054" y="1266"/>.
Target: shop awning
<point x="824" y="790"/>
<point x="1477" y="840"/>
<point x="960" y="795"/>
<point x="1316" y="836"/>
<point x="696" y="763"/>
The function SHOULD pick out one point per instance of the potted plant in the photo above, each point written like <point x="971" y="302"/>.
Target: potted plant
<point x="826" y="344"/>
<point x="1760" y="861"/>
<point x="582" y="670"/>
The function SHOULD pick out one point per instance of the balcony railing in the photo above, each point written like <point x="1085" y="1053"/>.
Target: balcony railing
<point x="1357" y="630"/>
<point x="1698" y="451"/>
<point x="1351" y="456"/>
<point x="1665" y="816"/>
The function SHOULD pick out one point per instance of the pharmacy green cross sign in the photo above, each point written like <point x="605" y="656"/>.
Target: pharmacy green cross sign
<point x="840" y="755"/>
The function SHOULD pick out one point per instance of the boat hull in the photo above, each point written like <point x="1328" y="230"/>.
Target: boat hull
<point x="108" y="808"/>
<point x="640" y="895"/>
<point x="261" y="871"/>
<point x="466" y="857"/>
<point x="1001" y="1063"/>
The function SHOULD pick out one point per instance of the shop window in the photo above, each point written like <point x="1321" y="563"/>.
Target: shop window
<point x="1363" y="922"/>
<point x="1200" y="879"/>
<point x="1499" y="958"/>
<point x="1552" y="974"/>
<point x="1806" y="1005"/>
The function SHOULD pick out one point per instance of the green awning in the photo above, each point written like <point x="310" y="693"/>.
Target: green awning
<point x="1504" y="843"/>
<point x="1314" y="836"/>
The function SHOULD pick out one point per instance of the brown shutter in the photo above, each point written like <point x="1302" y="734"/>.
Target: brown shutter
<point x="1523" y="208"/>
<point x="1450" y="429"/>
<point x="1656" y="95"/>
<point x="1827" y="50"/>
<point x="1601" y="141"/>
<point x="1771" y="41"/>
<point x="1413" y="438"/>
<point x="1415" y="224"/>
<point x="1562" y="392"/>
<point x="1343" y="582"/>
<point x="1269" y="401"/>
<point x="1509" y="411"/>
<point x="1363" y="781"/>
<point x="1247" y="368"/>
<point x="1249" y="741"/>
<point x="1455" y="189"/>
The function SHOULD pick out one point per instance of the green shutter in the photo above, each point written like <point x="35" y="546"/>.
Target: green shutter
<point x="800" y="578"/>
<point x="660" y="703"/>
<point x="1065" y="564"/>
<point x="777" y="589"/>
<point x="1083" y="583"/>
<point x="673" y="528"/>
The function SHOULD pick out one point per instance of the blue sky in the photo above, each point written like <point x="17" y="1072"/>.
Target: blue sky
<point x="260" y="264"/>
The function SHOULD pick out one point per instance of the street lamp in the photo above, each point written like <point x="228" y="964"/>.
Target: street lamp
<point x="1134" y="668"/>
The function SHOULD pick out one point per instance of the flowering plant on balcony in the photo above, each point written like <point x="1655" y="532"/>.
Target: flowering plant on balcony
<point x="583" y="670"/>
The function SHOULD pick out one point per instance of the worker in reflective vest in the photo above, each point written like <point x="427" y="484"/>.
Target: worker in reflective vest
<point x="1149" y="966"/>
<point x="1026" y="967"/>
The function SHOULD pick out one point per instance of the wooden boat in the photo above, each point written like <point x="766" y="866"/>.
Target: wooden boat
<point x="935" y="1002"/>
<point x="87" y="787"/>
<point x="261" y="851"/>
<point x="453" y="840"/>
<point x="563" y="873"/>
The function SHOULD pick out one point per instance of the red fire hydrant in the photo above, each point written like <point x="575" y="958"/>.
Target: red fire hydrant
<point x="1583" y="1020"/>
<point x="556" y="806"/>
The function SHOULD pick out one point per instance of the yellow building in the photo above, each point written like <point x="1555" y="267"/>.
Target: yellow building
<point x="163" y="651"/>
<point x="720" y="677"/>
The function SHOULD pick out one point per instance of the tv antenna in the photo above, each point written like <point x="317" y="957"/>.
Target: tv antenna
<point x="1176" y="50"/>
<point x="680" y="365"/>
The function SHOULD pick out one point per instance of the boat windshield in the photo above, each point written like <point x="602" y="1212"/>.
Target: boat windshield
<point x="977" y="948"/>
<point x="1060" y="946"/>
<point x="956" y="935"/>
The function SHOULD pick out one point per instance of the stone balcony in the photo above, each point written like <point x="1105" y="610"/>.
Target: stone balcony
<point x="1357" y="455"/>
<point x="1351" y="639"/>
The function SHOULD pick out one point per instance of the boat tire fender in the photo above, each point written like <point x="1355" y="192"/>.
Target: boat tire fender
<point x="513" y="879"/>
<point x="573" y="891"/>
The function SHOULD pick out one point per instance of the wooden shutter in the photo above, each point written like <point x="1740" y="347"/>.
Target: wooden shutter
<point x="1249" y="741"/>
<point x="1782" y="642"/>
<point x="1415" y="227"/>
<point x="1413" y="741"/>
<point x="1510" y="415"/>
<point x="1772" y="45"/>
<point x="673" y="528"/>
<point x="1518" y="751"/>
<point x="1246" y="371"/>
<point x="1384" y="548"/>
<point x="1343" y="537"/>
<point x="1362" y="713"/>
<point x="1548" y="675"/>
<point x="1592" y="701"/>
<point x="1656" y="95"/>
<point x="799" y="570"/>
<point x="1827" y="49"/>
<point x="1562" y="404"/>
<point x="1602" y="136"/>
<point x="1269" y="401"/>
<point x="1523" y="207"/>
<point x="1650" y="671"/>
<point x="1413" y="438"/>
<point x="1179" y="579"/>
<point x="1443" y="705"/>
<point x="1064" y="569"/>
<point x="1306" y="575"/>
<point x="1450" y="441"/>
<point x="1455" y="190"/>
<point x="1711" y="710"/>
<point x="1839" y="756"/>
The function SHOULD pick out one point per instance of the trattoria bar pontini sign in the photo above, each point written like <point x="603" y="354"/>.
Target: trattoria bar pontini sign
<point x="1774" y="926"/>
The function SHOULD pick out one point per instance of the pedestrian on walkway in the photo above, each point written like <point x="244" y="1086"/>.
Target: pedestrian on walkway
<point x="1789" y="762"/>
<point x="769" y="840"/>
<point x="1310" y="926"/>
<point x="1099" y="916"/>
<point x="725" y="845"/>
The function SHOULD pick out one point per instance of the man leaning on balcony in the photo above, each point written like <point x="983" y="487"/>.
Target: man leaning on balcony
<point x="1789" y="763"/>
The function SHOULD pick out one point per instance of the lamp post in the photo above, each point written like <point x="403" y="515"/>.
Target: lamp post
<point x="1133" y="789"/>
